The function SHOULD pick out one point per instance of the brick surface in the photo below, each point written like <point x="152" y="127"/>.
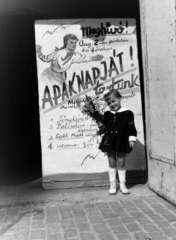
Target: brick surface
<point x="158" y="236"/>
<point x="150" y="201"/>
<point x="125" y="203"/>
<point x="163" y="211"/>
<point x="80" y="219"/>
<point x="66" y="215"/>
<point x="68" y="223"/>
<point x="79" y="213"/>
<point x="114" y="204"/>
<point x="121" y="214"/>
<point x="38" y="224"/>
<point x="141" y="236"/>
<point x="53" y="228"/>
<point x="76" y="207"/>
<point x="105" y="236"/>
<point x="123" y="217"/>
<point x="123" y="236"/>
<point x="148" y="211"/>
<point x="117" y="208"/>
<point x="65" y="209"/>
<point x="156" y="218"/>
<point x="6" y="237"/>
<point x="52" y="220"/>
<point x="100" y="228"/>
<point x="151" y="228"/>
<point x="163" y="224"/>
<point x="37" y="234"/>
<point x="138" y="201"/>
<point x="22" y="229"/>
<point x="170" y="217"/>
<point x="92" y="211"/>
<point x="143" y="221"/>
<point x="137" y="215"/>
<point x="89" y="205"/>
<point x="171" y="232"/>
<point x="142" y="206"/>
<point x="109" y="215"/>
<point x="96" y="219"/>
<point x="127" y="220"/>
<point x="114" y="222"/>
<point x="38" y="216"/>
<point x="56" y="236"/>
<point x="119" y="229"/>
<point x="83" y="227"/>
<point x="87" y="236"/>
<point x="52" y="211"/>
<point x="20" y="236"/>
<point x="102" y="205"/>
<point x="157" y="205"/>
<point x="70" y="233"/>
<point x="131" y="209"/>
<point x="23" y="222"/>
<point x="133" y="227"/>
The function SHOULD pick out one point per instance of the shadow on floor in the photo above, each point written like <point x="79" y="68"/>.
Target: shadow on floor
<point x="18" y="174"/>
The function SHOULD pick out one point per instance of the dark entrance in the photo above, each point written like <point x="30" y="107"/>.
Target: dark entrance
<point x="20" y="152"/>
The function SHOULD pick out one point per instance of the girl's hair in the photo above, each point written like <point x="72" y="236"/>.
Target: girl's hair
<point x="114" y="92"/>
<point x="67" y="37"/>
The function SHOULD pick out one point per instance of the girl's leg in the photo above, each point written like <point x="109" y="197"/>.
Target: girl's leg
<point x="122" y="172"/>
<point x="112" y="172"/>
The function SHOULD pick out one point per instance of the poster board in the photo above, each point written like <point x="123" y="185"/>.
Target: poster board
<point x="77" y="57"/>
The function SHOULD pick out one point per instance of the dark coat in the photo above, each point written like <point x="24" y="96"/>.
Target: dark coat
<point x="120" y="126"/>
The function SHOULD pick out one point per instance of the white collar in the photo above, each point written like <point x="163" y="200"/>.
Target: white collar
<point x="122" y="109"/>
<point x="69" y="51"/>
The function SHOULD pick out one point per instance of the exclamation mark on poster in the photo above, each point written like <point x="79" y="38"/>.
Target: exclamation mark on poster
<point x="126" y="26"/>
<point x="131" y="55"/>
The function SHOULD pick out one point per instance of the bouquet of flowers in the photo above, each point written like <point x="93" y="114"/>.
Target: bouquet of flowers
<point x="92" y="109"/>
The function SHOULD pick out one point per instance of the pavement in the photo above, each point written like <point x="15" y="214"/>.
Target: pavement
<point x="28" y="212"/>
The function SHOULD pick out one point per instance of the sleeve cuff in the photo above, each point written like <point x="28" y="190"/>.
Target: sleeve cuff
<point x="132" y="138"/>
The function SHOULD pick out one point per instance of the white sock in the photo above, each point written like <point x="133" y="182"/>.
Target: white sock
<point x="122" y="175"/>
<point x="112" y="174"/>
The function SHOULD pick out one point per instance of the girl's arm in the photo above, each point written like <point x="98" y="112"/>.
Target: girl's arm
<point x="79" y="58"/>
<point x="44" y="58"/>
<point x="132" y="133"/>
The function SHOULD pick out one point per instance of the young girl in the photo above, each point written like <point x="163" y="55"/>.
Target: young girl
<point x="122" y="134"/>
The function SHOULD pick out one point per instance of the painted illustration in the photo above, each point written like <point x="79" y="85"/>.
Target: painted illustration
<point x="62" y="58"/>
<point x="78" y="58"/>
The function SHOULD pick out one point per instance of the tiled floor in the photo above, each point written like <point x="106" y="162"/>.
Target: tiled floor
<point x="28" y="212"/>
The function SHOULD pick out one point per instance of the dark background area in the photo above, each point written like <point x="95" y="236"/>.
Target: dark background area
<point x="20" y="151"/>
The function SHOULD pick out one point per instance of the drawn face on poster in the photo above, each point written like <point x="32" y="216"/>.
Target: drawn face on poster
<point x="74" y="58"/>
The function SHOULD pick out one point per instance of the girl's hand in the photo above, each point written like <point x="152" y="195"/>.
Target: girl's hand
<point x="131" y="143"/>
<point x="97" y="57"/>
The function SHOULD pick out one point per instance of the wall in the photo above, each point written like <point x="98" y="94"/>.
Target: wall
<point x="158" y="40"/>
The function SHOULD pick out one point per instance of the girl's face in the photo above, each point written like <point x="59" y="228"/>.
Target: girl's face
<point x="114" y="103"/>
<point x="71" y="44"/>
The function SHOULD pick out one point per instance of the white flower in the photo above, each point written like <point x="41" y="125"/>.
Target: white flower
<point x="105" y="92"/>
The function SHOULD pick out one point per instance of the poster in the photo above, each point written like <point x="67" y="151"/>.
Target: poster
<point x="75" y="58"/>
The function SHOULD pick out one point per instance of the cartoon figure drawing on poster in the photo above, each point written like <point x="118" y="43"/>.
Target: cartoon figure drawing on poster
<point x="62" y="58"/>
<point x="76" y="58"/>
